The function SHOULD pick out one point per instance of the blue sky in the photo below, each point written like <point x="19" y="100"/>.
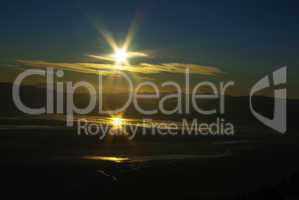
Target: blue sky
<point x="245" y="39"/>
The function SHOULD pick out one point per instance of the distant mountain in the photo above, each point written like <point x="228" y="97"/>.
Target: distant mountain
<point x="236" y="108"/>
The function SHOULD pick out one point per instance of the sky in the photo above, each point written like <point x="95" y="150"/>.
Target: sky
<point x="243" y="40"/>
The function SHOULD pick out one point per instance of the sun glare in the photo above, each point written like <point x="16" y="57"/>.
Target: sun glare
<point x="120" y="56"/>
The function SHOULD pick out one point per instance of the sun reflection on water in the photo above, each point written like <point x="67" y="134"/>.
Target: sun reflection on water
<point x="107" y="158"/>
<point x="117" y="122"/>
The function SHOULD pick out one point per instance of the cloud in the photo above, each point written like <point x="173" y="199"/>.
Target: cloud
<point x="110" y="57"/>
<point x="181" y="68"/>
<point x="141" y="68"/>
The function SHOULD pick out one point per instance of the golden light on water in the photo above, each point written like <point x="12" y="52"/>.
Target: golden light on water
<point x="107" y="158"/>
<point x="117" y="122"/>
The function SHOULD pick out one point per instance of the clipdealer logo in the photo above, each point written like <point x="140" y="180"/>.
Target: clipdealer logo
<point x="278" y="122"/>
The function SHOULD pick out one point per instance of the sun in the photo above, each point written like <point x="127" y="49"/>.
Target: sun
<point x="120" y="56"/>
